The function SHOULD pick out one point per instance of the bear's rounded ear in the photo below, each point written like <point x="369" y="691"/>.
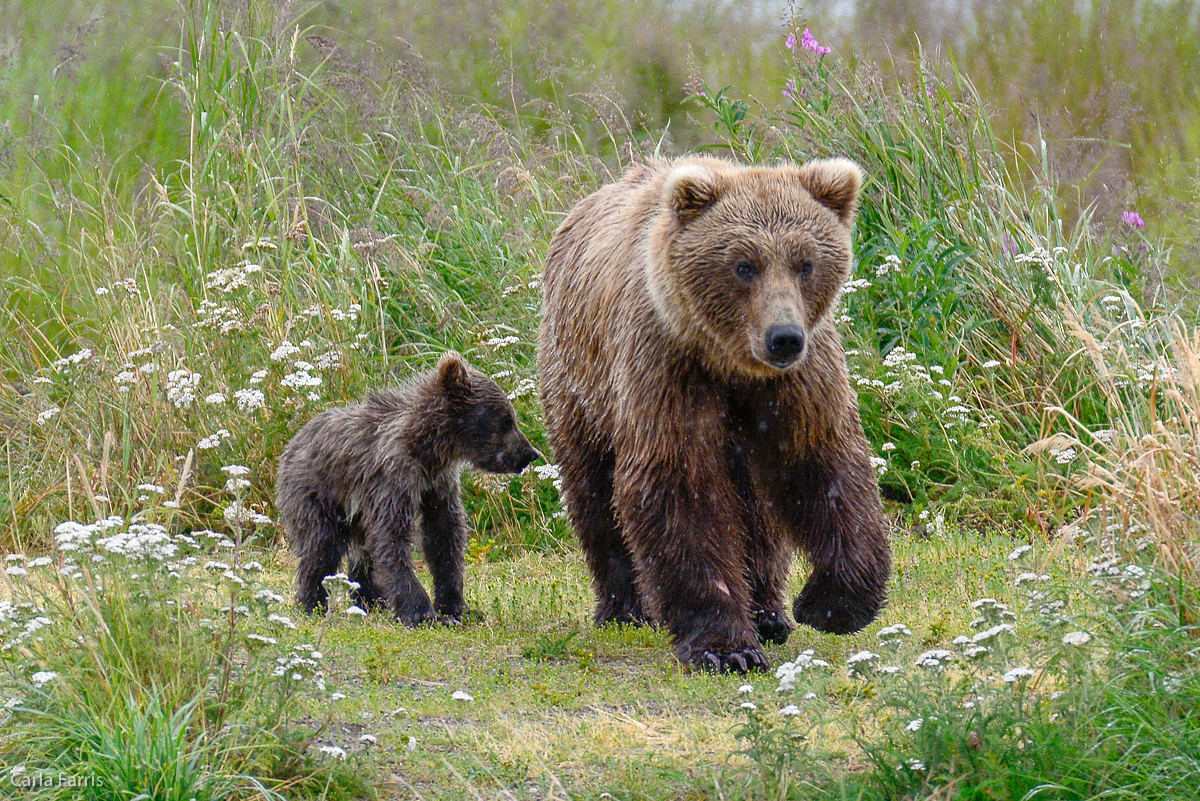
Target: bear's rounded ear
<point x="835" y="184"/>
<point x="690" y="189"/>
<point x="452" y="370"/>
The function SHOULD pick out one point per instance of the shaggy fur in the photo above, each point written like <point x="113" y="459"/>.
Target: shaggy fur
<point x="360" y="480"/>
<point x="697" y="398"/>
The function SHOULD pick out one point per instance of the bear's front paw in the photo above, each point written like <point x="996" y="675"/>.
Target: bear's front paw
<point x="741" y="661"/>
<point x="772" y="626"/>
<point x="831" y="605"/>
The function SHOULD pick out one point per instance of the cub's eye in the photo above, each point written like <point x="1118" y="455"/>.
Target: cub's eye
<point x="745" y="269"/>
<point x="805" y="268"/>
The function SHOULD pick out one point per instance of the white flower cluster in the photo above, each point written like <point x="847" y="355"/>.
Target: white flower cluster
<point x="214" y="440"/>
<point x="249" y="400"/>
<point x="1045" y="259"/>
<point x="329" y="360"/>
<point x="526" y="386"/>
<point x="891" y="263"/>
<point x="350" y="314"/>
<point x="133" y="540"/>
<point x="181" y="387"/>
<point x="229" y="279"/>
<point x="225" y="319"/>
<point x="75" y="358"/>
<point x="788" y="671"/>
<point x="284" y="350"/>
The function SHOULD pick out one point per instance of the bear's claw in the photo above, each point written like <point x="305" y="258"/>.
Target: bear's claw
<point x="742" y="661"/>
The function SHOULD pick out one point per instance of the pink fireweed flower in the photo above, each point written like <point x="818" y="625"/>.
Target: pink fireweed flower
<point x="812" y="44"/>
<point x="789" y="90"/>
<point x="1133" y="219"/>
<point x="791" y="42"/>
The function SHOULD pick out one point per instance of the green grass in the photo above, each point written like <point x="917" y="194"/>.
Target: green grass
<point x="216" y="222"/>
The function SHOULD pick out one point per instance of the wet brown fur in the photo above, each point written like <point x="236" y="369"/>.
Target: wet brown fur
<point x="361" y="480"/>
<point x="693" y="466"/>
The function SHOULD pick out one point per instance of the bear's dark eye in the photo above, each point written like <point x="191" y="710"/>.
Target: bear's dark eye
<point x="745" y="269"/>
<point x="805" y="268"/>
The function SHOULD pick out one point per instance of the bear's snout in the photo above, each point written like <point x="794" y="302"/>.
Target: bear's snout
<point x="784" y="344"/>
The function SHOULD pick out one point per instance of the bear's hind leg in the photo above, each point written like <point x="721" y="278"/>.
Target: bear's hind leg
<point x="768" y="558"/>
<point x="587" y="476"/>
<point x="358" y="567"/>
<point x="319" y="541"/>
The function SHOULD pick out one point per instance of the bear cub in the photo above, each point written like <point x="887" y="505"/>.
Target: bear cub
<point x="360" y="480"/>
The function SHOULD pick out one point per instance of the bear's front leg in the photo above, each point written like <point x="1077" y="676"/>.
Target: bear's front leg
<point x="679" y="513"/>
<point x="389" y="532"/>
<point x="834" y="505"/>
<point x="445" y="541"/>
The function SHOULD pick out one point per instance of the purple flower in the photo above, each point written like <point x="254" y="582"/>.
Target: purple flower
<point x="812" y="44"/>
<point x="789" y="90"/>
<point x="1133" y="219"/>
<point x="791" y="42"/>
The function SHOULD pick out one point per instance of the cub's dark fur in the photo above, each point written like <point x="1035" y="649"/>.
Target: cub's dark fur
<point x="359" y="480"/>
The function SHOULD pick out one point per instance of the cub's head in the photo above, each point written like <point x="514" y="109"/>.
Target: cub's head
<point x="745" y="263"/>
<point x="483" y="423"/>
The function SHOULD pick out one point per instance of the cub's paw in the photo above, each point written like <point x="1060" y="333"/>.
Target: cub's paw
<point x="742" y="661"/>
<point x="414" y="614"/>
<point x="772" y="626"/>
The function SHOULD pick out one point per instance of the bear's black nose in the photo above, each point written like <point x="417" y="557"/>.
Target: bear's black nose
<point x="784" y="343"/>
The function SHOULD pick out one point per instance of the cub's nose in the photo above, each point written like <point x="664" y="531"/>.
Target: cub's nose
<point x="528" y="457"/>
<point x="784" y="343"/>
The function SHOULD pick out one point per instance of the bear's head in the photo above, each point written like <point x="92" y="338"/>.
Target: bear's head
<point x="483" y="423"/>
<point x="745" y="263"/>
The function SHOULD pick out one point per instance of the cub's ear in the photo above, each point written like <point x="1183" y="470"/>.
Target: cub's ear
<point x="690" y="189"/>
<point x="452" y="371"/>
<point x="835" y="184"/>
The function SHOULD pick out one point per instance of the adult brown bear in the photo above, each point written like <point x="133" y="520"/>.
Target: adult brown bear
<point x="697" y="399"/>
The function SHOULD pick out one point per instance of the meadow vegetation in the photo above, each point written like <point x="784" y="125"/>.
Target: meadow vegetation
<point x="217" y="221"/>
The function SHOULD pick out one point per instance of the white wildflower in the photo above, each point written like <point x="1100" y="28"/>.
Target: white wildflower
<point x="333" y="751"/>
<point x="284" y="350"/>
<point x="1017" y="673"/>
<point x="1076" y="638"/>
<point x="44" y="677"/>
<point x="248" y="400"/>
<point x="461" y="695"/>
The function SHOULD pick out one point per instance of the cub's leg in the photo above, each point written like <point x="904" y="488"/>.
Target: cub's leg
<point x="360" y="571"/>
<point x="389" y="531"/>
<point x="445" y="541"/>
<point x="319" y="540"/>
